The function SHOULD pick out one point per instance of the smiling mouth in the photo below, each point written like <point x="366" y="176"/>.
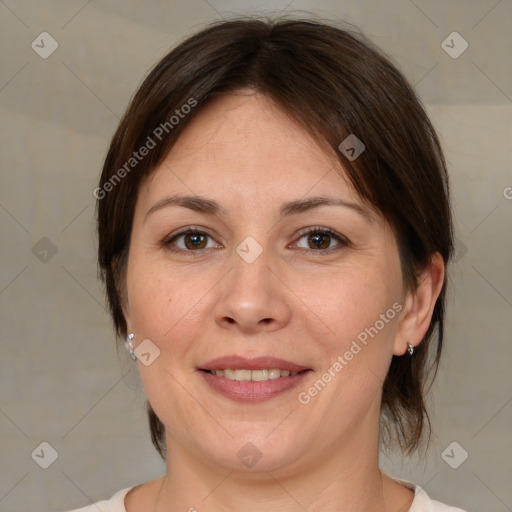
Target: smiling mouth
<point x="253" y="375"/>
<point x="252" y="385"/>
<point x="252" y="379"/>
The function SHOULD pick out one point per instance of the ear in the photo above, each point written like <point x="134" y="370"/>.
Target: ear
<point x="419" y="306"/>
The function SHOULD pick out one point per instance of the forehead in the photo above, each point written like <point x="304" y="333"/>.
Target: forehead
<point x="241" y="124"/>
<point x="245" y="142"/>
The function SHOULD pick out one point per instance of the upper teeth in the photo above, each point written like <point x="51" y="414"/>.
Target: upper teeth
<point x="257" y="375"/>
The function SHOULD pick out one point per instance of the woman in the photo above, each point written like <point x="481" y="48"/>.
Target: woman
<point x="274" y="228"/>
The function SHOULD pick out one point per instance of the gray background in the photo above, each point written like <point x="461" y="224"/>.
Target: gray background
<point x="61" y="379"/>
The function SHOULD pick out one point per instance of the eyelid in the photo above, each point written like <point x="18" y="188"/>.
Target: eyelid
<point x="342" y="240"/>
<point x="186" y="230"/>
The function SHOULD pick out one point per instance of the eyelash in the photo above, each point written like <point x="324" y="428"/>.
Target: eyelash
<point x="342" y="241"/>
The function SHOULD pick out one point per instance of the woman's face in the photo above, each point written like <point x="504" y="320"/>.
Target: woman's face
<point x="266" y="273"/>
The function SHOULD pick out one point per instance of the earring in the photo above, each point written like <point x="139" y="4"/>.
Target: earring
<point x="129" y="345"/>
<point x="410" y="348"/>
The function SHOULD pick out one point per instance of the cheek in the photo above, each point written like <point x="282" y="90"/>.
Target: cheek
<point x="159" y="296"/>
<point x="347" y="303"/>
<point x="169" y="396"/>
<point x="150" y="303"/>
<point x="162" y="308"/>
<point x="359" y="319"/>
<point x="358" y="309"/>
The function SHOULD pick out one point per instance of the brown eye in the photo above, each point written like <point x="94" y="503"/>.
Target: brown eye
<point x="190" y="240"/>
<point x="194" y="241"/>
<point x="319" y="240"/>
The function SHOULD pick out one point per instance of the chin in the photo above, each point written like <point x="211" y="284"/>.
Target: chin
<point x="255" y="453"/>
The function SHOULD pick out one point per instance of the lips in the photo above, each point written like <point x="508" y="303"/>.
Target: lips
<point x="257" y="363"/>
<point x="239" y="387"/>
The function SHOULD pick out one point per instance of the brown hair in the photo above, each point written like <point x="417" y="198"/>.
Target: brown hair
<point x="334" y="82"/>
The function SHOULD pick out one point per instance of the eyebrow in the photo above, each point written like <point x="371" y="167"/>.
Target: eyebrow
<point x="209" y="207"/>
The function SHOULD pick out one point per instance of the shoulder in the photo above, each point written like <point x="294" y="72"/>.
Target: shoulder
<point x="423" y="503"/>
<point x="114" y="504"/>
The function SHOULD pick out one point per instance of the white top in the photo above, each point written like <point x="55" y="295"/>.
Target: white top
<point x="421" y="503"/>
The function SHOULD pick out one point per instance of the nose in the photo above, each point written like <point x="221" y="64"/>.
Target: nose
<point x="251" y="298"/>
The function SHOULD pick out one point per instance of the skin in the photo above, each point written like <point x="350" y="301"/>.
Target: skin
<point x="294" y="302"/>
